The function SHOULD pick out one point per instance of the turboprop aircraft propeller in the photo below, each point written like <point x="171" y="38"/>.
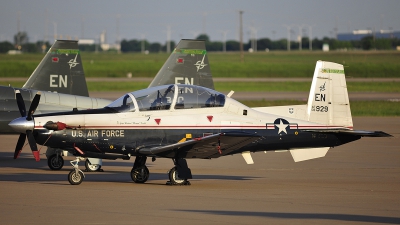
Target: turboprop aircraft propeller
<point x="25" y="125"/>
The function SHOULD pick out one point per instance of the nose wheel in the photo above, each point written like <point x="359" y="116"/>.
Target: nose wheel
<point x="76" y="175"/>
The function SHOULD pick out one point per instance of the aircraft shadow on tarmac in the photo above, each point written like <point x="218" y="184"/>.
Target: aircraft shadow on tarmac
<point x="25" y="161"/>
<point x="298" y="216"/>
<point x="114" y="177"/>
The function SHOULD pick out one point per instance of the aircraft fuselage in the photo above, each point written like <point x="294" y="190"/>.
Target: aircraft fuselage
<point x="103" y="133"/>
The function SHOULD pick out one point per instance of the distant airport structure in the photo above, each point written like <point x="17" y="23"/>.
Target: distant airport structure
<point x="357" y="35"/>
<point x="103" y="45"/>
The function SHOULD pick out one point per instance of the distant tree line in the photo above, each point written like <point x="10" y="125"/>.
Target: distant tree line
<point x="367" y="43"/>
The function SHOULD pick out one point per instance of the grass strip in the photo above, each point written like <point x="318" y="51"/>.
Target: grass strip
<point x="392" y="87"/>
<point x="261" y="64"/>
<point x="358" y="108"/>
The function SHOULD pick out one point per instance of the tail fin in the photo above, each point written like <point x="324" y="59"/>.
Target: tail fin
<point x="188" y="64"/>
<point x="328" y="102"/>
<point x="60" y="70"/>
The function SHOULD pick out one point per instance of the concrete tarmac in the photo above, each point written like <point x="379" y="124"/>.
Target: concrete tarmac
<point x="357" y="183"/>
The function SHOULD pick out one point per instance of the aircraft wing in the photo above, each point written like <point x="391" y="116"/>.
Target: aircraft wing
<point x="212" y="146"/>
<point x="361" y="133"/>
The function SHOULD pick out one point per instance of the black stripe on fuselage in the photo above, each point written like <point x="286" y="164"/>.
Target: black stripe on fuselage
<point x="127" y="141"/>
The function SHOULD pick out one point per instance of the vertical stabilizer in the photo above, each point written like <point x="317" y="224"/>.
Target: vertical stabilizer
<point x="188" y="64"/>
<point x="60" y="70"/>
<point x="328" y="102"/>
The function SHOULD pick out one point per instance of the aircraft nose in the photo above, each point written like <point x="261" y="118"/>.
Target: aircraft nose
<point x="21" y="125"/>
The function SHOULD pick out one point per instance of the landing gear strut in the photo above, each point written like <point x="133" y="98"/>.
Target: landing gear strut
<point x="140" y="173"/>
<point x="179" y="174"/>
<point x="76" y="175"/>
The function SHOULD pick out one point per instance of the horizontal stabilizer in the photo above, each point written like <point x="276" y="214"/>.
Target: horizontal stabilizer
<point x="308" y="153"/>
<point x="361" y="133"/>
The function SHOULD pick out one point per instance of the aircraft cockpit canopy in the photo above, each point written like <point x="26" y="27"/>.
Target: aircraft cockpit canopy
<point x="190" y="97"/>
<point x="123" y="104"/>
<point x="155" y="98"/>
<point x="162" y="98"/>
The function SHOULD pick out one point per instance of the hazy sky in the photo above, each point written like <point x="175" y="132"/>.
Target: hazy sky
<point x="152" y="20"/>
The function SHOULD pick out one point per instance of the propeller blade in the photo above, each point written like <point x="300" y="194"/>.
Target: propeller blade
<point x="20" y="145"/>
<point x="34" y="105"/>
<point x="20" y="103"/>
<point x="33" y="145"/>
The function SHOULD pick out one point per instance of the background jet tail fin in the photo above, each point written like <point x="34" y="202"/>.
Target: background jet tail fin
<point x="60" y="70"/>
<point x="328" y="102"/>
<point x="188" y="64"/>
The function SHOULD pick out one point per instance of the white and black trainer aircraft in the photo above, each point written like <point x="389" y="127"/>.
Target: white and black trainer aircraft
<point x="61" y="79"/>
<point x="181" y="121"/>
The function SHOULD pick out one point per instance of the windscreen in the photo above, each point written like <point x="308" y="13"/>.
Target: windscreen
<point x="123" y="104"/>
<point x="157" y="98"/>
<point x="190" y="97"/>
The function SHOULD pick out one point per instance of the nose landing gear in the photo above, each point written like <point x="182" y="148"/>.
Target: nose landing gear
<point x="76" y="175"/>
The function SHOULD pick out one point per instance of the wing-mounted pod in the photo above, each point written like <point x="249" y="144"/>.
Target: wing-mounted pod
<point x="187" y="64"/>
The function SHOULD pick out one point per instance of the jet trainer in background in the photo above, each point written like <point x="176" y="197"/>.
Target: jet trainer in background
<point x="61" y="79"/>
<point x="181" y="121"/>
<point x="61" y="75"/>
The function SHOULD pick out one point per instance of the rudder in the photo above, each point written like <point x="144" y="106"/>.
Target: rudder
<point x="60" y="70"/>
<point x="187" y="64"/>
<point x="328" y="102"/>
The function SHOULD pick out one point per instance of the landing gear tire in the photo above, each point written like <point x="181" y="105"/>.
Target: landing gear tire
<point x="140" y="174"/>
<point x="92" y="167"/>
<point x="75" y="177"/>
<point x="55" y="162"/>
<point x="174" y="179"/>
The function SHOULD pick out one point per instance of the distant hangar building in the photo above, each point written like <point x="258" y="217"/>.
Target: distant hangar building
<point x="357" y="35"/>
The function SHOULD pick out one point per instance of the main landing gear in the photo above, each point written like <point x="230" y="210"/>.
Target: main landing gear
<point x="179" y="174"/>
<point x="140" y="173"/>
